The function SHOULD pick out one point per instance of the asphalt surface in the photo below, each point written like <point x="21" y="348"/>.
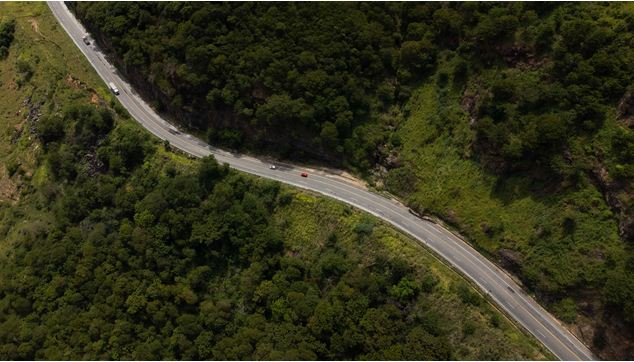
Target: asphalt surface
<point x="491" y="280"/>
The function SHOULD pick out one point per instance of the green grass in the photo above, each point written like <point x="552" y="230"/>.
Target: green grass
<point x="308" y="221"/>
<point x="565" y="237"/>
<point x="45" y="46"/>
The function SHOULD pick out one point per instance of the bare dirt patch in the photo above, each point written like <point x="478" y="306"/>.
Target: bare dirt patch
<point x="35" y="26"/>
<point x="72" y="82"/>
<point x="12" y="85"/>
<point x="8" y="189"/>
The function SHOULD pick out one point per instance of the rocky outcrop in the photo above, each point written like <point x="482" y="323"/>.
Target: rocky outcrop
<point x="626" y="110"/>
<point x="616" y="194"/>
<point x="510" y="259"/>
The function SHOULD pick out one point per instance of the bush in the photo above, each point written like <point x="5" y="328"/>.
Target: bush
<point x="7" y="30"/>
<point x="402" y="181"/>
<point x="209" y="171"/>
<point x="429" y="282"/>
<point x="364" y="228"/>
<point x="50" y="128"/>
<point x="12" y="167"/>
<point x="124" y="148"/>
<point x="404" y="290"/>
<point x="566" y="310"/>
<point x="468" y="295"/>
<point x="496" y="320"/>
<point x="468" y="328"/>
<point x="24" y="69"/>
<point x="285" y="199"/>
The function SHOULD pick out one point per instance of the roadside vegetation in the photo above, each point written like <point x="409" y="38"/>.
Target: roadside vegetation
<point x="510" y="121"/>
<point x="114" y="247"/>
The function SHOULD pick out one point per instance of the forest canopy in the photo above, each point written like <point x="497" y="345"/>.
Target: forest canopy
<point x="313" y="77"/>
<point x="145" y="256"/>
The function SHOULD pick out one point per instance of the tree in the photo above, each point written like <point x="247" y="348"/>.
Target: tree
<point x="7" y="30"/>
<point x="329" y="134"/>
<point x="50" y="128"/>
<point x="209" y="171"/>
<point x="125" y="148"/>
<point x="405" y="289"/>
<point x="418" y="56"/>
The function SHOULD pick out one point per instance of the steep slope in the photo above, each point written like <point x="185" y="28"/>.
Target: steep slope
<point x="512" y="122"/>
<point x="115" y="248"/>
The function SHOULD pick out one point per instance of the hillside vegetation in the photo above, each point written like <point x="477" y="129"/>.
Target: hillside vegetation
<point x="511" y="121"/>
<point x="113" y="247"/>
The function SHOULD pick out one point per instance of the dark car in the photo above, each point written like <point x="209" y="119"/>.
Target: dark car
<point x="304" y="174"/>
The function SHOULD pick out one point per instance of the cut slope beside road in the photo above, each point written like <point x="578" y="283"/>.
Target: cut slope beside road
<point x="493" y="282"/>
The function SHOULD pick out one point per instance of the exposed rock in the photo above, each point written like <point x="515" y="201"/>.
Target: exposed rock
<point x="586" y="331"/>
<point x="469" y="103"/>
<point x="626" y="227"/>
<point x="510" y="259"/>
<point x="615" y="193"/>
<point x="92" y="163"/>
<point x="75" y="83"/>
<point x="626" y="110"/>
<point x="9" y="190"/>
<point x="597" y="254"/>
<point x="451" y="218"/>
<point x="617" y="340"/>
<point x="33" y="116"/>
<point x="392" y="160"/>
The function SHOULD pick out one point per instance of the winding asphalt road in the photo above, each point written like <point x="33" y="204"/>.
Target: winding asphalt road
<point x="492" y="281"/>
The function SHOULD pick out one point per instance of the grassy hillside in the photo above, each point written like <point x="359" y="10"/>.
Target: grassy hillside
<point x="564" y="244"/>
<point x="116" y="248"/>
<point x="510" y="121"/>
<point x="557" y="215"/>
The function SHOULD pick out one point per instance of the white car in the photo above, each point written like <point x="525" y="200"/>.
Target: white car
<point x="273" y="167"/>
<point x="113" y="88"/>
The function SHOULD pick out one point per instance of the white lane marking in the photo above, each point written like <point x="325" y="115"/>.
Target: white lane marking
<point x="486" y="266"/>
<point x="540" y="333"/>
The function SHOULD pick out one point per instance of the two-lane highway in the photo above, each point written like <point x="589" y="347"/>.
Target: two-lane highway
<point x="493" y="282"/>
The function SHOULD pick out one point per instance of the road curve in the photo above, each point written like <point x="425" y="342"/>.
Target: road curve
<point x="492" y="281"/>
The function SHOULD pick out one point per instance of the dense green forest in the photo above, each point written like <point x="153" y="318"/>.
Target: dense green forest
<point x="510" y="121"/>
<point x="317" y="73"/>
<point x="115" y="247"/>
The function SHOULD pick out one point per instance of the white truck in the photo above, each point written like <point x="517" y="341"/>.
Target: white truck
<point x="113" y="88"/>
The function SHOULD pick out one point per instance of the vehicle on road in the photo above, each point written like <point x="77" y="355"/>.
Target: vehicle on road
<point x="86" y="40"/>
<point x="560" y="341"/>
<point x="113" y="88"/>
<point x="273" y="167"/>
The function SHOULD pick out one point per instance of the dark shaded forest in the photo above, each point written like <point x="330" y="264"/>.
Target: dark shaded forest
<point x="114" y="246"/>
<point x="153" y="261"/>
<point x="312" y="76"/>
<point x="533" y="93"/>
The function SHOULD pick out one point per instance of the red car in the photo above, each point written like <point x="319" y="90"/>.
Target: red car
<point x="304" y="174"/>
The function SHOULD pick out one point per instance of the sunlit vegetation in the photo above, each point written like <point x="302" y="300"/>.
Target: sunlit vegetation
<point x="511" y="121"/>
<point x="115" y="248"/>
